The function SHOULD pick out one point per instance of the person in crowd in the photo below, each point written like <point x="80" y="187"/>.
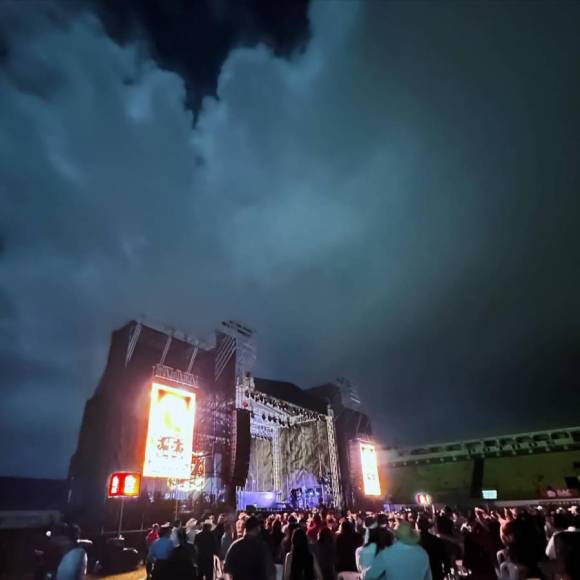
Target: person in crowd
<point x="275" y="538"/>
<point x="300" y="563"/>
<point x="291" y="520"/>
<point x="151" y="537"/>
<point x="159" y="554"/>
<point x="287" y="540"/>
<point x="564" y="545"/>
<point x="378" y="540"/>
<point x="404" y="560"/>
<point x="559" y="524"/>
<point x="191" y="530"/>
<point x="568" y="554"/>
<point x="347" y="541"/>
<point x="383" y="521"/>
<point x="524" y="542"/>
<point x="332" y="523"/>
<point x="439" y="561"/>
<point x="228" y="538"/>
<point x="206" y="545"/>
<point x="359" y="524"/>
<point x="249" y="558"/>
<point x="370" y="523"/>
<point x="240" y="524"/>
<point x="182" y="561"/>
<point x="479" y="547"/>
<point x="325" y="552"/>
<point x="314" y="527"/>
<point x="219" y="528"/>
<point x="73" y="564"/>
<point x="450" y="535"/>
<point x="175" y="532"/>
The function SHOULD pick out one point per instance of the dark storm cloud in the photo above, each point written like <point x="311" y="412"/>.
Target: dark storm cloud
<point x="194" y="37"/>
<point x="396" y="204"/>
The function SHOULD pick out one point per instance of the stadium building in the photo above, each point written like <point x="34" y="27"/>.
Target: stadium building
<point x="541" y="465"/>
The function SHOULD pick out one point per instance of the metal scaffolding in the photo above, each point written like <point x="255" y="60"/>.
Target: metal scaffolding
<point x="334" y="469"/>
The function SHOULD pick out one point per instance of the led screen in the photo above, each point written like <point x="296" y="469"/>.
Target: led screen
<point x="370" y="469"/>
<point x="170" y="433"/>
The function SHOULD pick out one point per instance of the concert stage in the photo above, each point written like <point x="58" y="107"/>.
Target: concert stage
<point x="189" y="416"/>
<point x="285" y="448"/>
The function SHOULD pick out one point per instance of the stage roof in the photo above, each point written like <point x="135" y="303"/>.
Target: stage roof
<point x="290" y="393"/>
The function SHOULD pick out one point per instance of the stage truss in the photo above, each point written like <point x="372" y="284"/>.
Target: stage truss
<point x="211" y="440"/>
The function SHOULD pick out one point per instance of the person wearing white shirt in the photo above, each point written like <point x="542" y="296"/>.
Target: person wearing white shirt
<point x="551" y="551"/>
<point x="379" y="539"/>
<point x="404" y="560"/>
<point x="175" y="533"/>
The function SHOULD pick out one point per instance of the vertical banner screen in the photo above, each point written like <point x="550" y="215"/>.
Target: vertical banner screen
<point x="170" y="433"/>
<point x="370" y="469"/>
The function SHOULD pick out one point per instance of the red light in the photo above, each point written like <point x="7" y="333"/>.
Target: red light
<point x="423" y="499"/>
<point x="124" y="484"/>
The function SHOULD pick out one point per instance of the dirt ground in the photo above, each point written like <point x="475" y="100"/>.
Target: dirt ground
<point x="136" y="575"/>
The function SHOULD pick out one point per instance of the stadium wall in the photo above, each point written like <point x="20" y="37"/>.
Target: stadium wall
<point x="525" y="466"/>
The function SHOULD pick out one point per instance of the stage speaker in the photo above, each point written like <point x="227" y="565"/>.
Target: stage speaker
<point x="241" y="447"/>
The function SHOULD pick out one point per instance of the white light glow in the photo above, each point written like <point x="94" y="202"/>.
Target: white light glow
<point x="370" y="469"/>
<point x="170" y="433"/>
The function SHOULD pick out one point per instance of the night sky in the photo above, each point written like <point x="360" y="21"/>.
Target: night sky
<point x="387" y="191"/>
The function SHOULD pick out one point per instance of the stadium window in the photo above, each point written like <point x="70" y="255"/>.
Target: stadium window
<point x="560" y="435"/>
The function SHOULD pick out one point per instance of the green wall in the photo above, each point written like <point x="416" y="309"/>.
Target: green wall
<point x="514" y="477"/>
<point x="525" y="476"/>
<point x="443" y="481"/>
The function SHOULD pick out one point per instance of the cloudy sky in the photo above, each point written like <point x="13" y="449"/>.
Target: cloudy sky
<point x="387" y="191"/>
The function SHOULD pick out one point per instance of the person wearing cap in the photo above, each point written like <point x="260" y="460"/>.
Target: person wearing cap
<point x="249" y="557"/>
<point x="404" y="560"/>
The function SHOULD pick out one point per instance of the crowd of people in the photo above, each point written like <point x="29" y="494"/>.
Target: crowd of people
<point x="410" y="544"/>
